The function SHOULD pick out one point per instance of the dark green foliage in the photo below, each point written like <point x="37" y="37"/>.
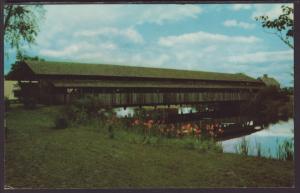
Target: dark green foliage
<point x="271" y="104"/>
<point x="85" y="109"/>
<point x="76" y="114"/>
<point x="21" y="24"/>
<point x="61" y="123"/>
<point x="21" y="57"/>
<point x="284" y="23"/>
<point x="141" y="114"/>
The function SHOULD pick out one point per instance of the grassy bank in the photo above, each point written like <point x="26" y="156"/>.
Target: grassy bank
<point x="38" y="156"/>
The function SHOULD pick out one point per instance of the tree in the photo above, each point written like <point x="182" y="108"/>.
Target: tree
<point x="283" y="26"/>
<point x="21" y="24"/>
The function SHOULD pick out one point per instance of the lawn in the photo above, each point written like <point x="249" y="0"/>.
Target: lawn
<point x="39" y="156"/>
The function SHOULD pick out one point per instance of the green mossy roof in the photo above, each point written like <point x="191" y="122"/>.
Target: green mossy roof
<point x="269" y="81"/>
<point x="71" y="68"/>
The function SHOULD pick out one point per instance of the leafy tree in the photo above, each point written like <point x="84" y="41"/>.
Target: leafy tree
<point x="21" y="24"/>
<point x="283" y="26"/>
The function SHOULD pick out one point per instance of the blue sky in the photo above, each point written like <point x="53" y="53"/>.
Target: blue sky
<point x="205" y="37"/>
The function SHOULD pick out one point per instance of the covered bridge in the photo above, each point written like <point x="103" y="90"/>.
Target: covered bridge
<point x="60" y="82"/>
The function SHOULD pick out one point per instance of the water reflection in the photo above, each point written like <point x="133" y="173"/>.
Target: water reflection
<point x="124" y="112"/>
<point x="186" y="110"/>
<point x="268" y="139"/>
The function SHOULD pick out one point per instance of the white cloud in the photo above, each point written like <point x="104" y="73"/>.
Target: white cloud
<point x="129" y="33"/>
<point x="238" y="7"/>
<point x="119" y="20"/>
<point x="271" y="10"/>
<point x="110" y="14"/>
<point x="76" y="49"/>
<point x="235" y="23"/>
<point x="204" y="37"/>
<point x="161" y="14"/>
<point x="259" y="57"/>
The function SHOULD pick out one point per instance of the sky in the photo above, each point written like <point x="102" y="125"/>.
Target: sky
<point x="204" y="37"/>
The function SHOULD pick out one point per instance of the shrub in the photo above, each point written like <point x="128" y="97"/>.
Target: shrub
<point x="270" y="103"/>
<point x="61" y="123"/>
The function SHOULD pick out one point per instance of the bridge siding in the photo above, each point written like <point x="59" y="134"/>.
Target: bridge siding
<point x="137" y="99"/>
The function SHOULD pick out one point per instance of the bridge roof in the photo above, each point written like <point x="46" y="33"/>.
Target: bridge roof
<point x="106" y="70"/>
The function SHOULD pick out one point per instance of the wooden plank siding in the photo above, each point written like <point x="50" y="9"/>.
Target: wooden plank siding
<point x="162" y="98"/>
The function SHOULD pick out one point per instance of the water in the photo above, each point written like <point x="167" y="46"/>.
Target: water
<point x="268" y="138"/>
<point x="129" y="112"/>
<point x="121" y="112"/>
<point x="186" y="110"/>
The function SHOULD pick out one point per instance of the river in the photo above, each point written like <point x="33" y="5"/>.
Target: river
<point x="268" y="139"/>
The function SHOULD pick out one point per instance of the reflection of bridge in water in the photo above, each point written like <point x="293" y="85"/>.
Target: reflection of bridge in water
<point x="233" y="125"/>
<point x="124" y="86"/>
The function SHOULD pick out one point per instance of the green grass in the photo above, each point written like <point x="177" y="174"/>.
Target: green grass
<point x="38" y="156"/>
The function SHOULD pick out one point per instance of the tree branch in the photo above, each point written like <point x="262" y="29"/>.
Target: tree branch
<point x="280" y="36"/>
<point x="10" y="7"/>
<point x="285" y="41"/>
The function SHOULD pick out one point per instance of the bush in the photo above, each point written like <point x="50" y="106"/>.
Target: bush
<point x="270" y="103"/>
<point x="61" y="123"/>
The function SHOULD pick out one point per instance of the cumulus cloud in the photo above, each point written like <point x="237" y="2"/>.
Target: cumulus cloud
<point x="271" y="10"/>
<point x="235" y="23"/>
<point x="238" y="7"/>
<point x="161" y="14"/>
<point x="202" y="37"/>
<point x="76" y="49"/>
<point x="129" y="33"/>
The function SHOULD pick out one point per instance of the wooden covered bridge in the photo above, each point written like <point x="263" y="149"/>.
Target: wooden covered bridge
<point x="123" y="86"/>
